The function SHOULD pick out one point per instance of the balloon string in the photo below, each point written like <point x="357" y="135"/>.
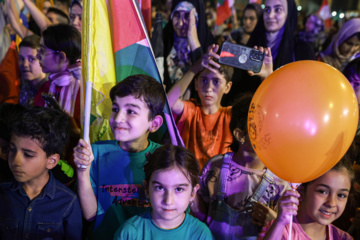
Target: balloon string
<point x="294" y="186"/>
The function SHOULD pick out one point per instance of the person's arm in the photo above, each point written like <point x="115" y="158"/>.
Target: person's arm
<point x="176" y="105"/>
<point x="267" y="67"/>
<point x="15" y="20"/>
<point x="288" y="206"/>
<point x="83" y="156"/>
<point x="39" y="17"/>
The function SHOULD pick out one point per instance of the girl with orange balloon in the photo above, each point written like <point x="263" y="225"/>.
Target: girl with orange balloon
<point x="323" y="200"/>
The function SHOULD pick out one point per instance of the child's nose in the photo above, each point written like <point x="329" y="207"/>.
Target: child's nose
<point x="120" y="117"/>
<point x="168" y="198"/>
<point x="331" y="200"/>
<point x="15" y="158"/>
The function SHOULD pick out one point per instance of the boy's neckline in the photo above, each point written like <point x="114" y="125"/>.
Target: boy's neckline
<point x="129" y="147"/>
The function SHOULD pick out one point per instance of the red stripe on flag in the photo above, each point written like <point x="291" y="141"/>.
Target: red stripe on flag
<point x="127" y="28"/>
<point x="223" y="12"/>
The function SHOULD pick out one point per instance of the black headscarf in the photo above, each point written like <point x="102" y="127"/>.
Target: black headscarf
<point x="290" y="50"/>
<point x="286" y="52"/>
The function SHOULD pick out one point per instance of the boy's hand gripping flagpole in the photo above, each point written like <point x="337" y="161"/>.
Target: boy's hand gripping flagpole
<point x="294" y="186"/>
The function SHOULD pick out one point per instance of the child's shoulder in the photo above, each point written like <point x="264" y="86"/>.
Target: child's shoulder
<point x="61" y="189"/>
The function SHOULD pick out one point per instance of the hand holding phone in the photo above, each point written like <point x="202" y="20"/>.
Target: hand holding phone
<point x="50" y="101"/>
<point x="241" y="57"/>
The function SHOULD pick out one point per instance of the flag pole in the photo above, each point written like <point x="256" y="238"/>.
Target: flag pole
<point x="89" y="84"/>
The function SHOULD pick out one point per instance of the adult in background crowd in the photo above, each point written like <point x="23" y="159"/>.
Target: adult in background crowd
<point x="184" y="44"/>
<point x="344" y="45"/>
<point x="251" y="14"/>
<point x="277" y="31"/>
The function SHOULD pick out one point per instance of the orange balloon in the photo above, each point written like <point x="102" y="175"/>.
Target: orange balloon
<point x="302" y="120"/>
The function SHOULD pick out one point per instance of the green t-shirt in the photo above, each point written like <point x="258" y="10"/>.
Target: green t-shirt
<point x="143" y="228"/>
<point x="116" y="178"/>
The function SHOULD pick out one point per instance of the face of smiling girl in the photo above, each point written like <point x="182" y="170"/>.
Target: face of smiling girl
<point x="325" y="198"/>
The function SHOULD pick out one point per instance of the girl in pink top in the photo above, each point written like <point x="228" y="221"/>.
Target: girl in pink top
<point x="321" y="202"/>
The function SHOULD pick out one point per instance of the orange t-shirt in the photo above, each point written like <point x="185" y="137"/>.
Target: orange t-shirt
<point x="205" y="135"/>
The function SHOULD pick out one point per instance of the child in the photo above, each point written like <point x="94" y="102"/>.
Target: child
<point x="59" y="56"/>
<point x="36" y="205"/>
<point x="204" y="127"/>
<point x="322" y="201"/>
<point x="237" y="193"/>
<point x="30" y="70"/>
<point x="171" y="182"/>
<point x="109" y="191"/>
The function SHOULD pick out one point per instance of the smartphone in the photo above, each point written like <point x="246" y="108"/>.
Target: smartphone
<point x="50" y="101"/>
<point x="242" y="57"/>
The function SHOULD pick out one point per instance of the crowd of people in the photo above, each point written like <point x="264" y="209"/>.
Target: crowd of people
<point x="55" y="185"/>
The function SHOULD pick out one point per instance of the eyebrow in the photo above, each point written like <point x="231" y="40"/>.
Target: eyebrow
<point x="278" y="5"/>
<point x="132" y="105"/>
<point x="22" y="149"/>
<point x="178" y="185"/>
<point x="128" y="105"/>
<point x="328" y="187"/>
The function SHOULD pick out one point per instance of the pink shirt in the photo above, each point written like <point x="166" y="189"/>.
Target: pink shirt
<point x="297" y="233"/>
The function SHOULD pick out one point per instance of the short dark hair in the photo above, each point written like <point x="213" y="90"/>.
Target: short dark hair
<point x="64" y="38"/>
<point x="239" y="115"/>
<point x="32" y="41"/>
<point x="61" y="16"/>
<point x="168" y="156"/>
<point x="9" y="113"/>
<point x="142" y="86"/>
<point x="46" y="125"/>
<point x="227" y="71"/>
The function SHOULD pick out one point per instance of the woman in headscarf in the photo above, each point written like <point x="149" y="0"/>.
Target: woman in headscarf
<point x="75" y="14"/>
<point x="183" y="47"/>
<point x="344" y="45"/>
<point x="277" y="31"/>
<point x="251" y="14"/>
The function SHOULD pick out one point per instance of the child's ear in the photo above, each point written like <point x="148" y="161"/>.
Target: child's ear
<point x="228" y="87"/>
<point x="194" y="191"/>
<point x="156" y="123"/>
<point x="239" y="135"/>
<point x="61" y="56"/>
<point x="52" y="161"/>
